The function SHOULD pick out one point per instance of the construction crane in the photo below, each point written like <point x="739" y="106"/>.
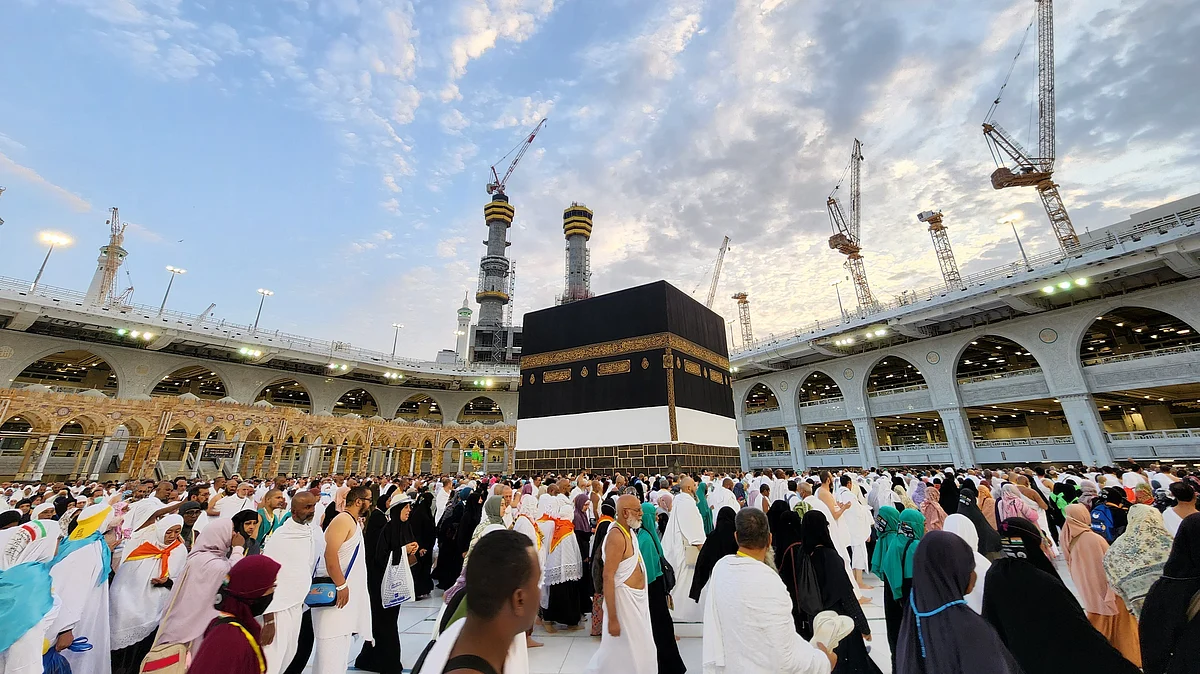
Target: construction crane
<point x="743" y="301"/>
<point x="845" y="239"/>
<point x="712" y="289"/>
<point x="941" y="246"/>
<point x="1" y="194"/>
<point x="1034" y="171"/>
<point x="497" y="185"/>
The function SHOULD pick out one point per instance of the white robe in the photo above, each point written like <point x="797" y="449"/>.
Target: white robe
<point x="836" y="533"/>
<point x="294" y="546"/>
<point x="633" y="652"/>
<point x="722" y="498"/>
<point x="517" y="661"/>
<point x="135" y="606"/>
<point x="84" y="608"/>
<point x="765" y="644"/>
<point x="684" y="531"/>
<point x="355" y="616"/>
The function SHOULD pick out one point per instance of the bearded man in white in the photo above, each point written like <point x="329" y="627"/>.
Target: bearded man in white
<point x="682" y="541"/>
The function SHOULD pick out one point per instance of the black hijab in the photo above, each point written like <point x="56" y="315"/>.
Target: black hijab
<point x="472" y="516"/>
<point x="940" y="634"/>
<point x="1170" y="642"/>
<point x="420" y="521"/>
<point x="948" y="496"/>
<point x="989" y="539"/>
<point x="719" y="543"/>
<point x="1053" y="635"/>
<point x="815" y="532"/>
<point x="395" y="535"/>
<point x="779" y="539"/>
<point x="239" y="527"/>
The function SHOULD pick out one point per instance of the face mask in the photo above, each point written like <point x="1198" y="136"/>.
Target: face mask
<point x="259" y="606"/>
<point x="98" y="500"/>
<point x="634" y="523"/>
<point x="880" y="524"/>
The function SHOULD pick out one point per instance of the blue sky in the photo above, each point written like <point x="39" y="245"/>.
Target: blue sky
<point x="335" y="151"/>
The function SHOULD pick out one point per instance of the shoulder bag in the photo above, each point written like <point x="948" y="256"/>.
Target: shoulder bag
<point x="323" y="591"/>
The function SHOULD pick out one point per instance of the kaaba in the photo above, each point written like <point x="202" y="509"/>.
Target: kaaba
<point x="635" y="380"/>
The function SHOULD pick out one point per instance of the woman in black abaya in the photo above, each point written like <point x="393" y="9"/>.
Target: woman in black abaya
<point x="1170" y="639"/>
<point x="420" y="522"/>
<point x="393" y="542"/>
<point x="989" y="539"/>
<point x="837" y="594"/>
<point x="450" y="556"/>
<point x="1051" y="635"/>
<point x="940" y="633"/>
<point x="718" y="544"/>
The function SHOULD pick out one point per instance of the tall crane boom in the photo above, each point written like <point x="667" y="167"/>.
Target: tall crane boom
<point x="712" y="288"/>
<point x="1031" y="171"/>
<point x="941" y="247"/>
<point x="846" y="231"/>
<point x="498" y="183"/>
<point x="743" y="301"/>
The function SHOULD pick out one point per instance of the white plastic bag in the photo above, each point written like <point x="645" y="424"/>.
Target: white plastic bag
<point x="397" y="585"/>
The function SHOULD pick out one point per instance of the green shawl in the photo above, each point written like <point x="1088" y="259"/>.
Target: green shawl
<point x="916" y="520"/>
<point x="649" y="544"/>
<point x="706" y="513"/>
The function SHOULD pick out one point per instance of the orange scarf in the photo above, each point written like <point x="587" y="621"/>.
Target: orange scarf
<point x="148" y="550"/>
<point x="604" y="518"/>
<point x="562" y="529"/>
<point x="536" y="529"/>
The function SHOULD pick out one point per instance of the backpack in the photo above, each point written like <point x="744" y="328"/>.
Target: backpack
<point x="804" y="583"/>
<point x="1102" y="522"/>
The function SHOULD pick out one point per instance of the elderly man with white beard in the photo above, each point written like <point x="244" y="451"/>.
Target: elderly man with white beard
<point x="293" y="546"/>
<point x="682" y="541"/>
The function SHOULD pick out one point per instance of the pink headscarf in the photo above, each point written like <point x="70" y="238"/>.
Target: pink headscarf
<point x="196" y="592"/>
<point x="1085" y="550"/>
<point x="1012" y="505"/>
<point x="339" y="497"/>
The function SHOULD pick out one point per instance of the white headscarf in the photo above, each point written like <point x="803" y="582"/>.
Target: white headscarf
<point x="34" y="541"/>
<point x="135" y="606"/>
<point x="961" y="526"/>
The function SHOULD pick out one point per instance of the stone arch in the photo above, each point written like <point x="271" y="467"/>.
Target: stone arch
<point x="420" y="406"/>
<point x="405" y="441"/>
<point x="480" y="408"/>
<point x="88" y="424"/>
<point x="760" y="398"/>
<point x="452" y="441"/>
<point x="877" y="380"/>
<point x="198" y="379"/>
<point x="1132" y="328"/>
<point x="40" y="421"/>
<point x="79" y="369"/>
<point x="808" y="391"/>
<point x="358" y="401"/>
<point x="992" y="354"/>
<point x="286" y="392"/>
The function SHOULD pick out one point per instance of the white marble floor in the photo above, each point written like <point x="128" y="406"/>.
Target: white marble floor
<point x="569" y="652"/>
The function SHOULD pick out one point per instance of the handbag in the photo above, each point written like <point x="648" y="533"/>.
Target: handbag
<point x="397" y="585"/>
<point x="166" y="658"/>
<point x="323" y="591"/>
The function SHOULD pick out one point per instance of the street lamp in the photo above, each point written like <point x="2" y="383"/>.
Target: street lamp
<point x="396" y="338"/>
<point x="265" y="294"/>
<point x="175" y="271"/>
<point x="838" y="290"/>
<point x="52" y="239"/>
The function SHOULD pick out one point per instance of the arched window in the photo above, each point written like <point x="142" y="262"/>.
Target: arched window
<point x="760" y="398"/>
<point x="197" y="380"/>
<point x="893" y="373"/>
<point x="286" y="393"/>
<point x="817" y="388"/>
<point x="71" y="371"/>
<point x="357" y="401"/>
<point x="991" y="357"/>
<point x="1129" y="330"/>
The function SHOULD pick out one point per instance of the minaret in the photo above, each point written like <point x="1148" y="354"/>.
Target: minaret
<point x="493" y="267"/>
<point x="577" y="227"/>
<point x="464" y="330"/>
<point x="100" y="292"/>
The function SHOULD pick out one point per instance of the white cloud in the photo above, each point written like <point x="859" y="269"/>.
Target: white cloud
<point x="391" y="206"/>
<point x="523" y="112"/>
<point x="482" y="23"/>
<point x="389" y="181"/>
<point x="453" y="121"/>
<point x="447" y="248"/>
<point x="384" y="235"/>
<point x="31" y="176"/>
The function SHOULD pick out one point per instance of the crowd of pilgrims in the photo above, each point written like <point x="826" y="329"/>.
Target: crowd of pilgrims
<point x="219" y="577"/>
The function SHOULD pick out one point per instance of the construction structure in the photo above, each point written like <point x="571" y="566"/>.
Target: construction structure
<point x="716" y="274"/>
<point x="846" y="232"/>
<point x="101" y="291"/>
<point x="1034" y="171"/>
<point x="941" y="247"/>
<point x="743" y="301"/>
<point x="494" y="339"/>
<point x="463" y="331"/>
<point x="577" y="227"/>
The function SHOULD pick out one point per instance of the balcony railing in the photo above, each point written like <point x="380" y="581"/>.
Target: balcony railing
<point x="205" y="324"/>
<point x="918" y="447"/>
<point x="1155" y="353"/>
<point x="770" y="455"/>
<point x="1021" y="442"/>
<point x="1001" y="375"/>
<point x="895" y="391"/>
<point x="822" y="401"/>
<point x="1173" y="434"/>
<point x="762" y="410"/>
<point x="831" y="451"/>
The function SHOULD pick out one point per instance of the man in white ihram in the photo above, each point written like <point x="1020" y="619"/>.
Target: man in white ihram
<point x="293" y="546"/>
<point x="682" y="541"/>
<point x="768" y="644"/>
<point x="627" y="642"/>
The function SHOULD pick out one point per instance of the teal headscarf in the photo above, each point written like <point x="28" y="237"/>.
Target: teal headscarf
<point x="887" y="566"/>
<point x="69" y="545"/>
<point x="24" y="600"/>
<point x="706" y="513"/>
<point x="649" y="544"/>
<point x="916" y="520"/>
